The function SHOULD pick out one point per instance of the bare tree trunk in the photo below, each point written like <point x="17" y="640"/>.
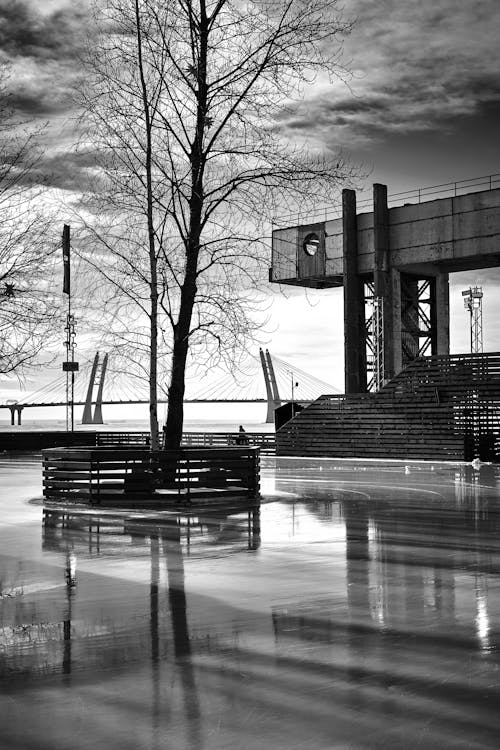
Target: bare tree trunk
<point x="175" y="416"/>
<point x="175" y="413"/>
<point x="153" y="268"/>
<point x="153" y="371"/>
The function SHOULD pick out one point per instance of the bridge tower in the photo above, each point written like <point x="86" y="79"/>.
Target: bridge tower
<point x="98" y="373"/>
<point x="15" y="409"/>
<point x="87" y="409"/>
<point x="272" y="393"/>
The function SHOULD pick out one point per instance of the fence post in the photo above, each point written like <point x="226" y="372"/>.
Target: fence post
<point x="90" y="483"/>
<point x="98" y="479"/>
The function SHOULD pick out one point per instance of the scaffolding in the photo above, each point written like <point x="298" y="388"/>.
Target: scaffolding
<point x="374" y="323"/>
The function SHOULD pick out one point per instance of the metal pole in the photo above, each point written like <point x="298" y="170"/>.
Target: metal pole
<point x="72" y="347"/>
<point x="67" y="290"/>
<point x="471" y="329"/>
<point x="70" y="366"/>
<point x="70" y="371"/>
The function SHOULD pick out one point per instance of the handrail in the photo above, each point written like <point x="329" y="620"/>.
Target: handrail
<point x="444" y="190"/>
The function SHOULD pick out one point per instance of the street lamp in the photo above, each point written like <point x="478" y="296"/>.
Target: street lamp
<point x="294" y="385"/>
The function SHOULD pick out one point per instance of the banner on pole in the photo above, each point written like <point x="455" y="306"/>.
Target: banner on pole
<point x="66" y="262"/>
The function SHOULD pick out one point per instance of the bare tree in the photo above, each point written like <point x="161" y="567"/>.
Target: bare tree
<point x="28" y="308"/>
<point x="182" y="105"/>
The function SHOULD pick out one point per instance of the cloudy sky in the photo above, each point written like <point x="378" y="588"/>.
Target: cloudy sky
<point x="421" y="108"/>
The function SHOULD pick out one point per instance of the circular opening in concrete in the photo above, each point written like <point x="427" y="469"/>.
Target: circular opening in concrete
<point x="311" y="244"/>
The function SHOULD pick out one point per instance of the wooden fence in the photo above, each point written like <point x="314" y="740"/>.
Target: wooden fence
<point x="264" y="440"/>
<point x="37" y="440"/>
<point x="131" y="475"/>
<point x="440" y="407"/>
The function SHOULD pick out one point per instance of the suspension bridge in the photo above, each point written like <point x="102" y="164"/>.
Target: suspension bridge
<point x="263" y="379"/>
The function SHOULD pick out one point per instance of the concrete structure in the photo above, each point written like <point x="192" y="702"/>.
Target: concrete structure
<point x="394" y="260"/>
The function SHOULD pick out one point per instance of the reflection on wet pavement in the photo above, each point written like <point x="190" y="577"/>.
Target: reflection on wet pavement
<point x="357" y="607"/>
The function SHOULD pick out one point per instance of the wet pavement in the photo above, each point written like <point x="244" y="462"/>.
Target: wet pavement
<point x="357" y="607"/>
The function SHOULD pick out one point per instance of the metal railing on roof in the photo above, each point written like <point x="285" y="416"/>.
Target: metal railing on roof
<point x="415" y="195"/>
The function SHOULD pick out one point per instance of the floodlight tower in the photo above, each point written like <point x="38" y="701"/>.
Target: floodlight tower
<point x="473" y="302"/>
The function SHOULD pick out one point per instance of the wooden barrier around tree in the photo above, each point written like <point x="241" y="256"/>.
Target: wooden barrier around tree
<point x="119" y="475"/>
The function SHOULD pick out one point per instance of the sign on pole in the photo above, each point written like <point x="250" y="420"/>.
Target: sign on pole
<point x="66" y="261"/>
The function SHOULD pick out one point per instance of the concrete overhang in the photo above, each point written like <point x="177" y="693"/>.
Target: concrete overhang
<point x="446" y="235"/>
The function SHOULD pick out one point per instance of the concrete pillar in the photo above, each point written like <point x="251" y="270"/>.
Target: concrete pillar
<point x="441" y="315"/>
<point x="354" y="312"/>
<point x="382" y="277"/>
<point x="380" y="239"/>
<point x="12" y="414"/>
<point x="19" y="410"/>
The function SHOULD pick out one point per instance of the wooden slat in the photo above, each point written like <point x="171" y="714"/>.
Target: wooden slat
<point x="108" y="472"/>
<point x="437" y="408"/>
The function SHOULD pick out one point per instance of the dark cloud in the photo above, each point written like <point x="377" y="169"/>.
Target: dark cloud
<point x="68" y="169"/>
<point x="37" y="104"/>
<point x="353" y="106"/>
<point x="417" y="67"/>
<point x="27" y="33"/>
<point x="40" y="43"/>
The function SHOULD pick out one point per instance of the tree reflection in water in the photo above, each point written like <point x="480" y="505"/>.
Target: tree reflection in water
<point x="168" y="537"/>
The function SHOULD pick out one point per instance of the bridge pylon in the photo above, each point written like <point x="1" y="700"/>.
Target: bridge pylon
<point x="272" y="393"/>
<point x="98" y="373"/>
<point x="87" y="409"/>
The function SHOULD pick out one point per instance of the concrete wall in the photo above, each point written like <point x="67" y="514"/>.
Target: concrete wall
<point x="456" y="233"/>
<point x="334" y="247"/>
<point x="284" y="253"/>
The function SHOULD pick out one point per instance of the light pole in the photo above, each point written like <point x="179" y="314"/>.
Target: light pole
<point x="69" y="365"/>
<point x="473" y="302"/>
<point x="294" y="385"/>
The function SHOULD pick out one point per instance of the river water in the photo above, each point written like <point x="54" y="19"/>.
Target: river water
<point x="141" y="425"/>
<point x="357" y="607"/>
